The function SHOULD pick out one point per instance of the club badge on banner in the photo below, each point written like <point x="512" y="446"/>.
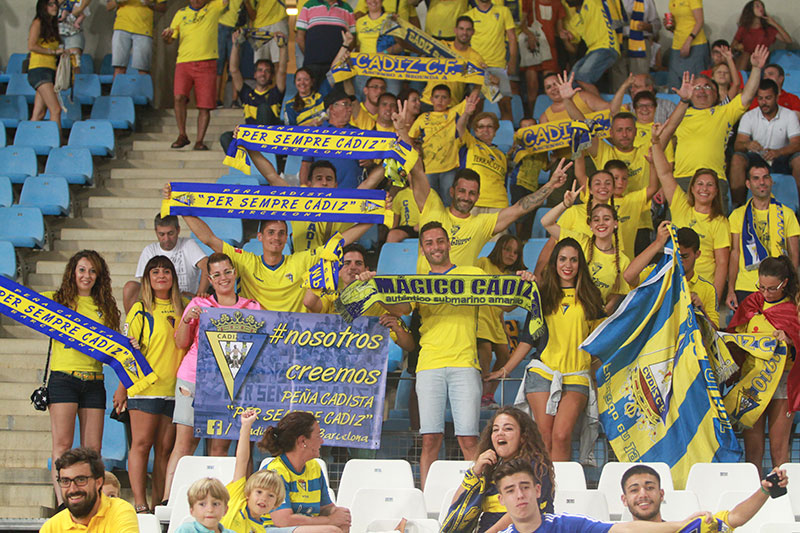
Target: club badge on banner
<point x="282" y="362"/>
<point x="564" y="133"/>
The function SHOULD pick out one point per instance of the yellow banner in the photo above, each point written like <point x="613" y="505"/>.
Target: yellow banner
<point x="558" y="134"/>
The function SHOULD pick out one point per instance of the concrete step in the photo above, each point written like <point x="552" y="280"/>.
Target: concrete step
<point x="111" y="257"/>
<point x="25" y="440"/>
<point x="215" y="129"/>
<point x="12" y="346"/>
<point x="168" y="115"/>
<point x="12" y="422"/>
<point x="163" y="163"/>
<point x="106" y="234"/>
<point x="17" y="390"/>
<point x="118" y="280"/>
<point x="173" y="174"/>
<point x="24" y="363"/>
<point x="24" y="458"/>
<point x="23" y="511"/>
<point x="20" y="331"/>
<point x="115" y="202"/>
<point x="104" y="247"/>
<point x="167" y="154"/>
<point x="109" y="223"/>
<point x="21" y="375"/>
<point x="132" y="215"/>
<point x="164" y="144"/>
<point x="154" y="185"/>
<point x="34" y="476"/>
<point x="117" y="188"/>
<point x="18" y="494"/>
<point x="57" y="267"/>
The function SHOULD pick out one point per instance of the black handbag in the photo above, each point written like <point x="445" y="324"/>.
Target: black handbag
<point x="39" y="396"/>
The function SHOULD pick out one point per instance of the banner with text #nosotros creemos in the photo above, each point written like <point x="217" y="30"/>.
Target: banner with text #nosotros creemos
<point x="277" y="203"/>
<point x="407" y="68"/>
<point x="282" y="362"/>
<point x="559" y="134"/>
<point x="77" y="332"/>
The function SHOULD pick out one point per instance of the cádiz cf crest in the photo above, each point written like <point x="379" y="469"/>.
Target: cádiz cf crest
<point x="235" y="345"/>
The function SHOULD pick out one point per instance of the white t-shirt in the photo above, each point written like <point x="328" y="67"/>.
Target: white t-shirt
<point x="771" y="134"/>
<point x="184" y="256"/>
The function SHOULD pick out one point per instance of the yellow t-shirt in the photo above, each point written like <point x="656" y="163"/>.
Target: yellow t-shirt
<point x="684" y="22"/>
<point x="490" y="317"/>
<point x="602" y="266"/>
<point x="364" y="120"/>
<point x="760" y="324"/>
<point x="441" y="19"/>
<point x="702" y="135"/>
<point x="714" y="234"/>
<point x="135" y="17"/>
<point x="567" y="329"/>
<point x="405" y="206"/>
<point x="467" y="235"/>
<point x="238" y="516"/>
<point x="456" y="89"/>
<point x="638" y="167"/>
<point x="708" y="295"/>
<point x="490" y="164"/>
<point x="63" y="359"/>
<point x="276" y="288"/>
<point x="38" y="60"/>
<point x="114" y="515"/>
<point x="644" y="134"/>
<point x="490" y="33"/>
<point x="595" y="27"/>
<point x="746" y="280"/>
<point x="157" y="333"/>
<point x="368" y="31"/>
<point x="529" y="168"/>
<point x="401" y="7"/>
<point x="437" y="131"/>
<point x="231" y="16"/>
<point x="312" y="235"/>
<point x="269" y="12"/>
<point x="197" y="30"/>
<point x="447" y="333"/>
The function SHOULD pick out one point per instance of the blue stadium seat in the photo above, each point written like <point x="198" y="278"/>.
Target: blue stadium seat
<point x="784" y="189"/>
<point x="73" y="164"/>
<point x="72" y="115"/>
<point x="2" y="136"/>
<point x="87" y="64"/>
<point x="239" y="179"/>
<point x="227" y="229"/>
<point x="538" y="230"/>
<point x="96" y="135"/>
<point x="206" y="249"/>
<point x="137" y="86"/>
<point x="504" y="137"/>
<point x="48" y="193"/>
<point x="18" y="85"/>
<point x="107" y="70"/>
<point x="531" y="251"/>
<point x="119" y="110"/>
<point x="86" y="88"/>
<point x="398" y="257"/>
<point x="370" y="239"/>
<point x="18" y="163"/>
<point x="660" y="78"/>
<point x="15" y="62"/>
<point x="517" y="109"/>
<point x="41" y="135"/>
<point x="542" y="103"/>
<point x="292" y="167"/>
<point x="115" y="443"/>
<point x="22" y="226"/>
<point x="6" y="192"/>
<point x="13" y="109"/>
<point x="491" y="107"/>
<point x="8" y="260"/>
<point x="672" y="97"/>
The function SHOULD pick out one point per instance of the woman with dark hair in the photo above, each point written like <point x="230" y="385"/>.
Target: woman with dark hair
<point x="76" y="380"/>
<point x="43" y="44"/>
<point x="222" y="276"/>
<point x="571" y="303"/>
<point x="307" y="106"/>
<point x="295" y="444"/>
<point x="505" y="258"/>
<point x="755" y="27"/>
<point x="151" y="324"/>
<point x="772" y="309"/>
<point x="510" y="434"/>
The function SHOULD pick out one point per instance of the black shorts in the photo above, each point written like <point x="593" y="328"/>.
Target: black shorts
<point x="408" y="230"/>
<point x="38" y="76"/>
<point x="64" y="388"/>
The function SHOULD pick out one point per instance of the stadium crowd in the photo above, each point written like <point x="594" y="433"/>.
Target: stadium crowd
<point x="704" y="161"/>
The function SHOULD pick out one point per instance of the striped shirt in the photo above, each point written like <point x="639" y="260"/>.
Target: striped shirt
<point x="323" y="24"/>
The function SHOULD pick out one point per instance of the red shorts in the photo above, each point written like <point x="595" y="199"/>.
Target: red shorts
<point x="203" y="76"/>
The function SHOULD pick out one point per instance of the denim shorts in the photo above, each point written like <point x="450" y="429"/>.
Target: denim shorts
<point x="184" y="403"/>
<point x="224" y="46"/>
<point x="591" y="67"/>
<point x="537" y="383"/>
<point x="462" y="386"/>
<point x="124" y="43"/>
<point x="153" y="406"/>
<point x="66" y="388"/>
<point x="38" y="76"/>
<point x="779" y="165"/>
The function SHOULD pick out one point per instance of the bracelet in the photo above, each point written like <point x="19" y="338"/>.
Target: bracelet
<point x="693" y="36"/>
<point x="687" y="101"/>
<point x="505" y="372"/>
<point x="765" y="491"/>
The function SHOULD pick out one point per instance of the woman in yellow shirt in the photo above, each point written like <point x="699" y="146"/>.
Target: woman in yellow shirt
<point x="570" y="305"/>
<point x="690" y="51"/>
<point x="699" y="208"/>
<point x="151" y="323"/>
<point x="370" y="41"/>
<point x="773" y="309"/>
<point x="43" y="44"/>
<point x="505" y="258"/>
<point x="76" y="380"/>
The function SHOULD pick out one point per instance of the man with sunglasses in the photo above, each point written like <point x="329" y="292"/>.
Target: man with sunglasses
<point x="81" y="476"/>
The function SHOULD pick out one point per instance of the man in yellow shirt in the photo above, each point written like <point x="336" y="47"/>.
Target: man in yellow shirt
<point x="81" y="477"/>
<point x="759" y="229"/>
<point x="595" y="26"/>
<point x="197" y="25"/>
<point x="494" y="28"/>
<point x="132" y="40"/>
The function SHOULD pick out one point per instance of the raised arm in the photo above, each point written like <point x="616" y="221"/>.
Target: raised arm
<point x="567" y="90"/>
<point x="243" y="446"/>
<point x="236" y="75"/>
<point x="747" y="509"/>
<point x="550" y="219"/>
<point x="616" y="102"/>
<point x="420" y="185"/>
<point x="267" y="170"/>
<point x="312" y="302"/>
<point x="734" y="89"/>
<point x="469" y="108"/>
<point x="639" y="262"/>
<point x="283" y="61"/>
<point x="685" y="93"/>
<point x="661" y="166"/>
<point x="528" y="203"/>
<point x="197" y="226"/>
<point x="757" y="61"/>
<point x="783" y="35"/>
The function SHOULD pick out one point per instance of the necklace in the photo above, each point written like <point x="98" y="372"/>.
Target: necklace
<point x="605" y="249"/>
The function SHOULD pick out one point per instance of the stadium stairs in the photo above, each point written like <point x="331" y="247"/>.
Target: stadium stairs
<point x="115" y="217"/>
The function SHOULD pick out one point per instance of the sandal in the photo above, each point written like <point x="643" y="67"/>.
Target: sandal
<point x="199" y="146"/>
<point x="143" y="509"/>
<point x="182" y="141"/>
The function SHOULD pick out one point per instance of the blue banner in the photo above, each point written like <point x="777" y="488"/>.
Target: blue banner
<point x="281" y="362"/>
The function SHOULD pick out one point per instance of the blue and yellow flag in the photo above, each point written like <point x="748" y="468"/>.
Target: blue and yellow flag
<point x="566" y="133"/>
<point x="657" y="393"/>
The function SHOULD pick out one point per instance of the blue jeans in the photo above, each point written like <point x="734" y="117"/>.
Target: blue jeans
<point x="441" y="182"/>
<point x="591" y="67"/>
<point x="697" y="62"/>
<point x="224" y="46"/>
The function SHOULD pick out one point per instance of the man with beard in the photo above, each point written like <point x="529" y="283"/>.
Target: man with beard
<point x="81" y="477"/>
<point x="642" y="495"/>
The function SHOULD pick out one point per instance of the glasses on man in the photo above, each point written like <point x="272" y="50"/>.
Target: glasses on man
<point x="344" y="103"/>
<point x="706" y="87"/>
<point x="80" y="481"/>
<point x="762" y="288"/>
<point x="226" y="273"/>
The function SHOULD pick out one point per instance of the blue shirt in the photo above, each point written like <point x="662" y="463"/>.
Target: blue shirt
<point x="348" y="172"/>
<point x="566" y="523"/>
<point x="197" y="527"/>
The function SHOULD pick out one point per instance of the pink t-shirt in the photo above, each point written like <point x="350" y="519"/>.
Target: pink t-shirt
<point x="188" y="369"/>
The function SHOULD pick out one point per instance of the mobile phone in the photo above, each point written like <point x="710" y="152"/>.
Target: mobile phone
<point x="775" y="491"/>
